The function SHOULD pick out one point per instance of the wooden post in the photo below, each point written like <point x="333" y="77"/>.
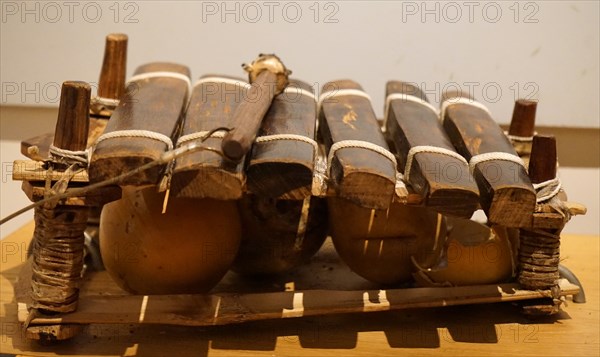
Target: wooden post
<point x="268" y="77"/>
<point x="203" y="173"/>
<point x="522" y="126"/>
<point x="442" y="179"/>
<point x="111" y="87"/>
<point x="58" y="238"/>
<point x="523" y="118"/>
<point x="359" y="174"/>
<point x="283" y="167"/>
<point x="148" y="117"/>
<point x="539" y="252"/>
<point x="114" y="67"/>
<point x="73" y="122"/>
<point x="543" y="167"/>
<point x="506" y="193"/>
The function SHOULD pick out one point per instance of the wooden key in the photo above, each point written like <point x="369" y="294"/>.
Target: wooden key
<point x="283" y="167"/>
<point x="268" y="77"/>
<point x="359" y="174"/>
<point x="204" y="173"/>
<point x="506" y="193"/>
<point x="153" y="103"/>
<point x="444" y="180"/>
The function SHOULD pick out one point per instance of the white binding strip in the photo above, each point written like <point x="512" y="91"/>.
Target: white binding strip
<point x="224" y="80"/>
<point x="360" y="145"/>
<point x="381" y="304"/>
<point x="340" y="93"/>
<point x="77" y="156"/>
<point x="217" y="308"/>
<point x="198" y="135"/>
<point x="295" y="91"/>
<point x="136" y="133"/>
<point x="430" y="149"/>
<point x="108" y="102"/>
<point x="405" y="97"/>
<point x="143" y="308"/>
<point x="504" y="156"/>
<point x="521" y="139"/>
<point x="400" y="185"/>
<point x="297" y="309"/>
<point x="553" y="186"/>
<point x="161" y="74"/>
<point x="294" y="137"/>
<point x="319" y="183"/>
<point x="461" y="100"/>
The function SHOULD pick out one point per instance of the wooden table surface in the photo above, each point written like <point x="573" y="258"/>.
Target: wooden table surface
<point x="476" y="330"/>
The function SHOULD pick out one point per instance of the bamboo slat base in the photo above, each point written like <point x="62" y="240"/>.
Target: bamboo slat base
<point x="324" y="286"/>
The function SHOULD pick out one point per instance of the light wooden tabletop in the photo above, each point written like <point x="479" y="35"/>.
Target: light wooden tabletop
<point x="476" y="330"/>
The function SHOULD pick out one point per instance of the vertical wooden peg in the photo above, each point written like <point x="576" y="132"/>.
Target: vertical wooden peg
<point x="522" y="125"/>
<point x="539" y="251"/>
<point x="114" y="67"/>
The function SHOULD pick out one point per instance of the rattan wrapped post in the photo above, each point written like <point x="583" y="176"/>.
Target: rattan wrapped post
<point x="539" y="251"/>
<point x="539" y="247"/>
<point x="58" y="243"/>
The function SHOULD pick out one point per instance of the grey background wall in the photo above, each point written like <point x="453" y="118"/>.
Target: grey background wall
<point x="497" y="50"/>
<point x="500" y="49"/>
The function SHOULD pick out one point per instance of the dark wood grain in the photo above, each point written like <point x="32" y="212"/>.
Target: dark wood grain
<point x="154" y="104"/>
<point x="248" y="116"/>
<point x="542" y="164"/>
<point x="203" y="173"/>
<point x="73" y="116"/>
<point x="114" y="67"/>
<point x="359" y="175"/>
<point x="506" y="193"/>
<point x="445" y="181"/>
<point x="284" y="168"/>
<point x="523" y="118"/>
